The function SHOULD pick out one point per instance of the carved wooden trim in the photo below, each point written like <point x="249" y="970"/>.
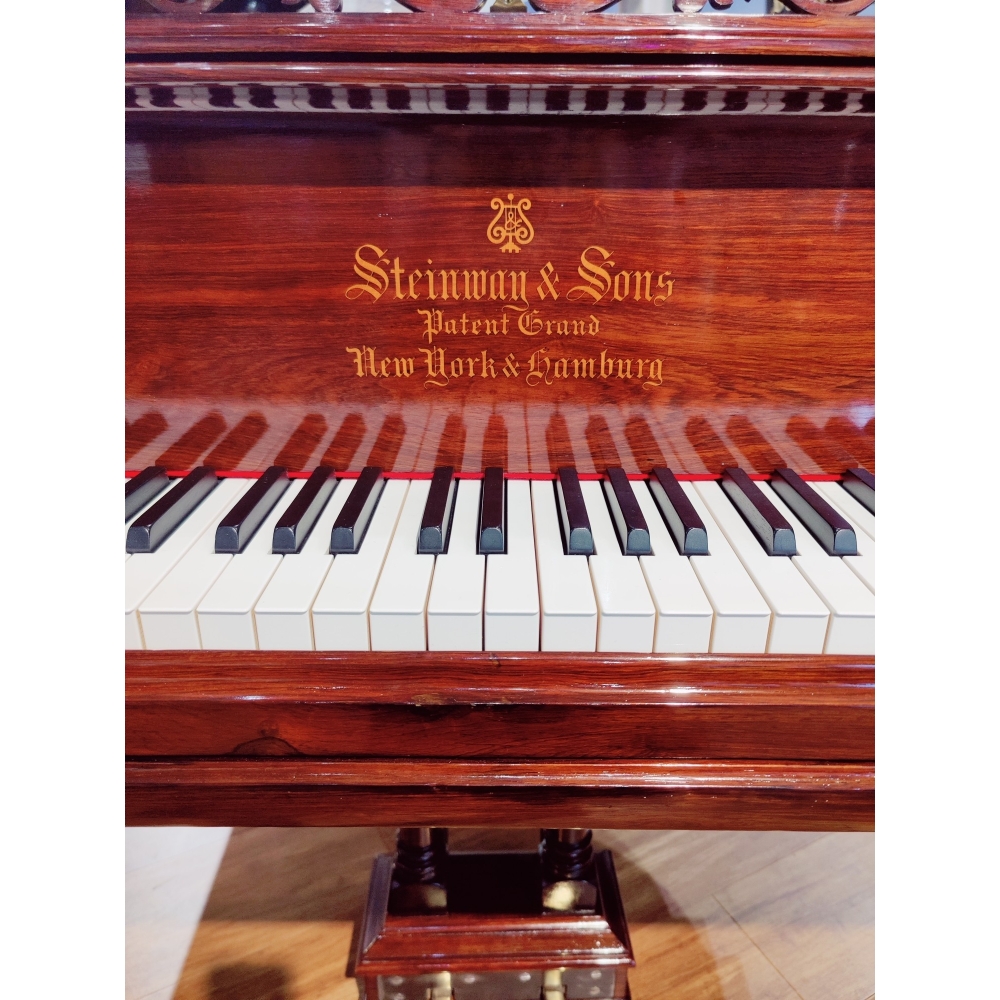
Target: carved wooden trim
<point x="573" y="8"/>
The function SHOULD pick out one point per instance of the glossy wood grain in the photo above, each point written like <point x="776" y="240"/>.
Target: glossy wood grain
<point x="207" y="324"/>
<point x="686" y="795"/>
<point x="840" y="38"/>
<point x="739" y="741"/>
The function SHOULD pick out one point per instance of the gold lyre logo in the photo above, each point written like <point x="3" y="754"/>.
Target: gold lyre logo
<point x="510" y="226"/>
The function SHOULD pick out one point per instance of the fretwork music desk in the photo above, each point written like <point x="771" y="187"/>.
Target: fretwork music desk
<point x="577" y="249"/>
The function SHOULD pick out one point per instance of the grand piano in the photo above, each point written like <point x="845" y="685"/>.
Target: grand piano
<point x="499" y="443"/>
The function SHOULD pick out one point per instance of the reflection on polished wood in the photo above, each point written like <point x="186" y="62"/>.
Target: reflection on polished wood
<point x="826" y="451"/>
<point x="387" y="444"/>
<point x="232" y="449"/>
<point x="304" y="441"/>
<point x="193" y="443"/>
<point x="342" y="449"/>
<point x="143" y="431"/>
<point x="710" y="447"/>
<point x="860" y="442"/>
<point x="758" y="450"/>
<point x="712" y="916"/>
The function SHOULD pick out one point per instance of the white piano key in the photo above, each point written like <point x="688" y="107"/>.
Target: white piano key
<point x="340" y="611"/>
<point x="742" y="617"/>
<point x="565" y="589"/>
<point x="626" y="617"/>
<point x="147" y="569"/>
<point x="168" y="614"/>
<point x="455" y="604"/>
<point x="511" y="607"/>
<point x="397" y="618"/>
<point x="863" y="564"/>
<point x="851" y="603"/>
<point x="225" y="613"/>
<point x="848" y="506"/>
<point x="282" y="614"/>
<point x="799" y="619"/>
<point x="683" y="612"/>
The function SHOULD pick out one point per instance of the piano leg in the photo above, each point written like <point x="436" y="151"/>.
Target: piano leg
<point x="569" y="880"/>
<point x="545" y="925"/>
<point x="418" y="873"/>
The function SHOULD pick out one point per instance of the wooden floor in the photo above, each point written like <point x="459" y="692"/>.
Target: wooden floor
<point x="713" y="916"/>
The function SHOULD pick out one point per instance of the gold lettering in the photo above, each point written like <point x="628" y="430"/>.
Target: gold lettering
<point x="562" y="327"/>
<point x="432" y="321"/>
<point x="376" y="281"/>
<point x="595" y="325"/>
<point x="660" y="299"/>
<point x="511" y="367"/>
<point x="455" y="372"/>
<point x="628" y="368"/>
<point x="610" y="369"/>
<point x="556" y="373"/>
<point x="444" y="284"/>
<point x="429" y="275"/>
<point x="477" y="289"/>
<point x="357" y="360"/>
<point x="536" y="373"/>
<point x="493" y="285"/>
<point x="397" y="273"/>
<point x="580" y="367"/>
<point x="639" y="275"/>
<point x="655" y="375"/>
<point x="487" y="324"/>
<point x="435" y="366"/>
<point x="451" y="326"/>
<point x="518" y="289"/>
<point x="528" y="324"/>
<point x="616" y="296"/>
<point x="548" y="287"/>
<point x="597" y="277"/>
<point x="487" y="365"/>
<point x="415" y="276"/>
<point x="404" y="367"/>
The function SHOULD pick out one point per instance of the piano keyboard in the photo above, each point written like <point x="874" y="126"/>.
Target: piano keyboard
<point x="614" y="565"/>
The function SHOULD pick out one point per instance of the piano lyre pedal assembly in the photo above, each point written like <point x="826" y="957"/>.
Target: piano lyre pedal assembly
<point x="499" y="446"/>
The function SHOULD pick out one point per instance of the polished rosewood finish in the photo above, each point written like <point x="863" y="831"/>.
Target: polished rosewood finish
<point x="545" y="740"/>
<point x="677" y="217"/>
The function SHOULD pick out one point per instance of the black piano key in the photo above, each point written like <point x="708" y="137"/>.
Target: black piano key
<point x="577" y="535"/>
<point x="294" y="526"/>
<point x="241" y="523"/>
<point x="773" y="531"/>
<point x="154" y="526"/>
<point x="492" y="513"/>
<point x="633" y="532"/>
<point x="860" y="483"/>
<point x="352" y="522"/>
<point x="434" y="525"/>
<point x="140" y="489"/>
<point x="829" y="528"/>
<point x="686" y="527"/>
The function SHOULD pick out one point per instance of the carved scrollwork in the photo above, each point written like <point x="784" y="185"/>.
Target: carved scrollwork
<point x="843" y="8"/>
<point x="185" y="6"/>
<point x="837" y="8"/>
